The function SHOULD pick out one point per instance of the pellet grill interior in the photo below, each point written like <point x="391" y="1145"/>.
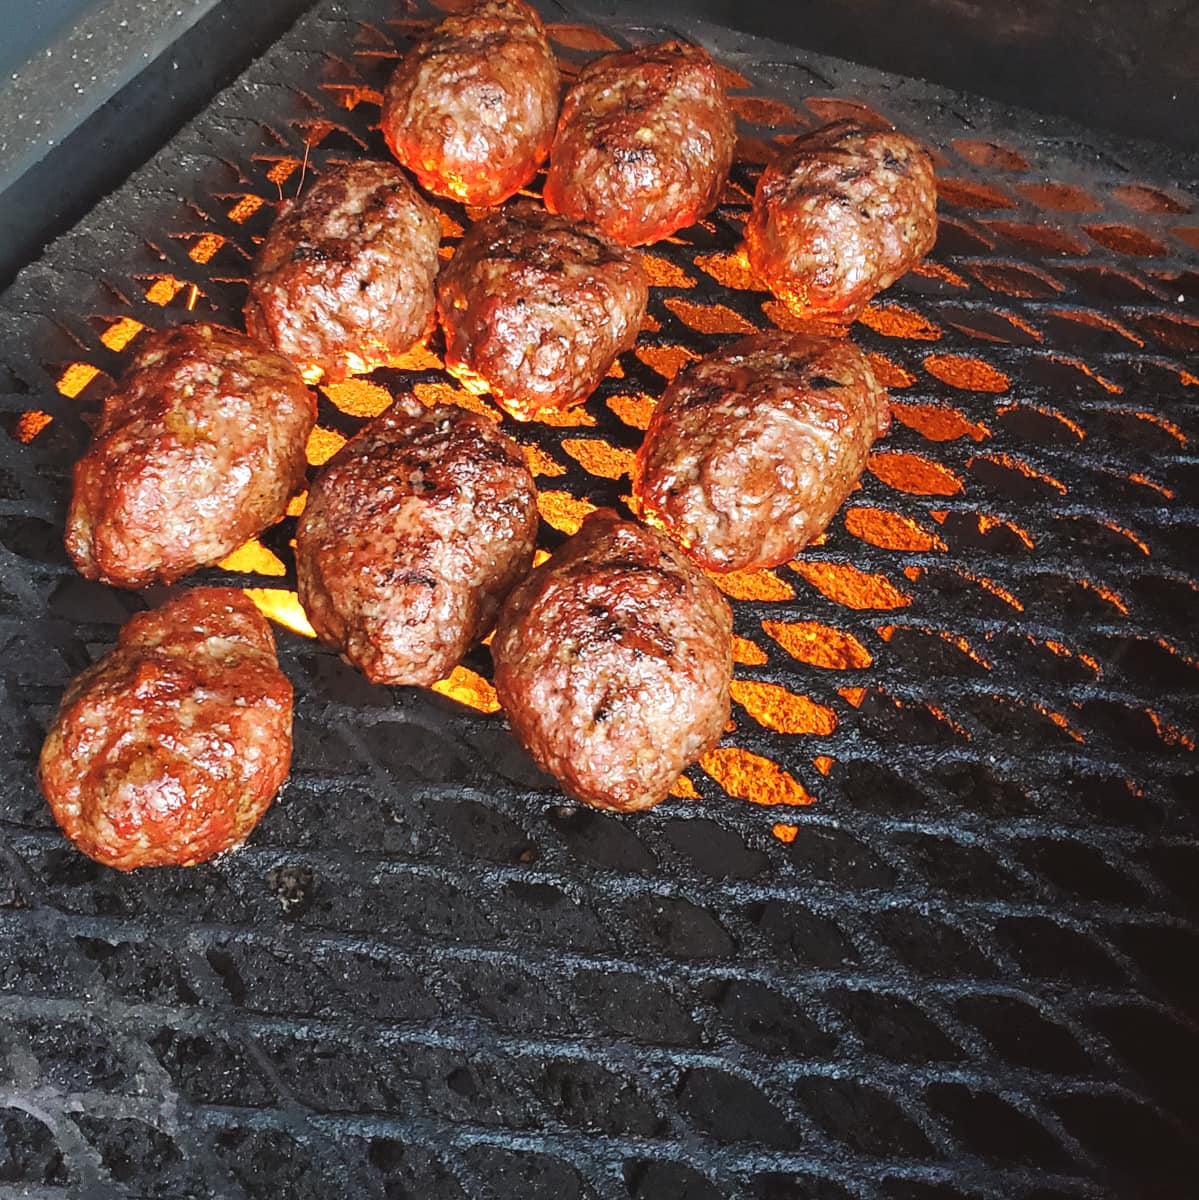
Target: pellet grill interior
<point x="920" y="927"/>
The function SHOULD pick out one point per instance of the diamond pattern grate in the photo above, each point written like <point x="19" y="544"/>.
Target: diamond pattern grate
<point x="951" y="956"/>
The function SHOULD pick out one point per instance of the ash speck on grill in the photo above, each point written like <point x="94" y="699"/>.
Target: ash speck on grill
<point x="293" y="888"/>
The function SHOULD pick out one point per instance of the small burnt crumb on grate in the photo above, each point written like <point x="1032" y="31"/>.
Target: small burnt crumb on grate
<point x="294" y="887"/>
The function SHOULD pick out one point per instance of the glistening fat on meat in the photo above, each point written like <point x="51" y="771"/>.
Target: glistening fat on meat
<point x="752" y="449"/>
<point x="470" y="109"/>
<point x="840" y="214"/>
<point x="344" y="279"/>
<point x="644" y="143"/>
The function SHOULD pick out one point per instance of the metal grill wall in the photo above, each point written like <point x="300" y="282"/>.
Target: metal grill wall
<point x="926" y="930"/>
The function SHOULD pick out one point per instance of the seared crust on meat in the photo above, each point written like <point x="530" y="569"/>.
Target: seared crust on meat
<point x="751" y="450"/>
<point x="198" y="449"/>
<point x="169" y="749"/>
<point x="470" y="109"/>
<point x="344" y="280"/>
<point x="413" y="534"/>
<point x="644" y="143"/>
<point x="537" y="307"/>
<point x="842" y="213"/>
<point x="613" y="661"/>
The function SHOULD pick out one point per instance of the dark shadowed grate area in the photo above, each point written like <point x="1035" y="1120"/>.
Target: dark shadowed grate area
<point x="920" y="928"/>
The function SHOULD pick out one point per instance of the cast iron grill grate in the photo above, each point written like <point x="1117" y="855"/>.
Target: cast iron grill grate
<point x="965" y="970"/>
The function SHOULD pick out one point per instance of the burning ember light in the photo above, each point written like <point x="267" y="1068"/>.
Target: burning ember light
<point x="751" y="777"/>
<point x="253" y="558"/>
<point x="283" y="608"/>
<point x="819" y="645"/>
<point x="75" y="378"/>
<point x="937" y="424"/>
<point x="30" y="424"/>
<point x="469" y="688"/>
<point x="850" y="586"/>
<point x="323" y="444"/>
<point x="913" y="473"/>
<point x="783" y="711"/>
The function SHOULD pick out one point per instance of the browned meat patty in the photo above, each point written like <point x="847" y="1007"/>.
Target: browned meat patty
<point x="613" y="661"/>
<point x="644" y="143"/>
<point x="751" y="450"/>
<point x="470" y="109"/>
<point x="171" y="747"/>
<point x="198" y="449"/>
<point x="535" y="308"/>
<point x="344" y="280"/>
<point x="413" y="534"/>
<point x="842" y="213"/>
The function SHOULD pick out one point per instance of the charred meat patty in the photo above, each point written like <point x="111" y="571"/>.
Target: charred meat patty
<point x="197" y="450"/>
<point x="752" y="449"/>
<point x="170" y="748"/>
<point x="470" y="109"/>
<point x="644" y="143"/>
<point x="344" y="280"/>
<point x="842" y="213"/>
<point x="613" y="661"/>
<point x="412" y="535"/>
<point x="536" y="307"/>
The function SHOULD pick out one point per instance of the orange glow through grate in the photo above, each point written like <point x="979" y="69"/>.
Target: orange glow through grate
<point x="469" y="688"/>
<point x="751" y="777"/>
<point x="283" y="608"/>
<point x="890" y="531"/>
<point x="819" y="645"/>
<point x="781" y="710"/>
<point x="913" y="474"/>
<point x="851" y="587"/>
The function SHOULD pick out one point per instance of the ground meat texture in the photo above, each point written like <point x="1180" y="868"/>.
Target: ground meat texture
<point x="613" y="661"/>
<point x="536" y="307"/>
<point x="413" y="534"/>
<point x="470" y="109"/>
<point x="198" y="449"/>
<point x="344" y="280"/>
<point x="644" y="143"/>
<point x="171" y="747"/>
<point x="842" y="213"/>
<point x="751" y="450"/>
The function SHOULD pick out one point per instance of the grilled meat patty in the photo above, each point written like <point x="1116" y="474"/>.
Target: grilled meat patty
<point x="752" y="449"/>
<point x="197" y="450"/>
<point x="170" y="748"/>
<point x="613" y="661"/>
<point x="644" y="143"/>
<point x="842" y="213"/>
<point x="412" y="535"/>
<point x="344" y="280"/>
<point x="537" y="307"/>
<point x="470" y="109"/>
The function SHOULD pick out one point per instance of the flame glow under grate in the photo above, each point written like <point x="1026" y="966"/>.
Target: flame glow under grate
<point x="919" y="927"/>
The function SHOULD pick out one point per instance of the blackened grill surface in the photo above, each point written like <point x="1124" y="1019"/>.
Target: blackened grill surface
<point x="965" y="970"/>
